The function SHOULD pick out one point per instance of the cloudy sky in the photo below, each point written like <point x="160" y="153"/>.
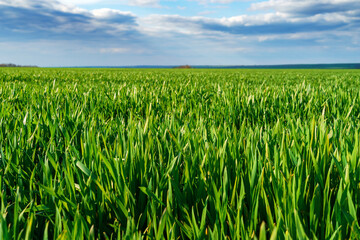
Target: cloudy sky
<point x="174" y="32"/>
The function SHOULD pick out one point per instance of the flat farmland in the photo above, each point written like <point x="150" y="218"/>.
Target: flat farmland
<point x="179" y="154"/>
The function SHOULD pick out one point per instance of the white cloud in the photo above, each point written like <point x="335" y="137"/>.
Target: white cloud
<point x="307" y="7"/>
<point x="114" y="50"/>
<point x="146" y="3"/>
<point x="107" y="13"/>
<point x="80" y="2"/>
<point x="141" y="3"/>
<point x="275" y="26"/>
<point x="203" y="13"/>
<point x="281" y="22"/>
<point x="219" y="1"/>
<point x="56" y="20"/>
<point x="117" y="50"/>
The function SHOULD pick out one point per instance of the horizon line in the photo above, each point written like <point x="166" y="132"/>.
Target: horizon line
<point x="232" y="66"/>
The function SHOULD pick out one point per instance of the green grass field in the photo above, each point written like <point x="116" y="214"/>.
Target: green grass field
<point x="189" y="154"/>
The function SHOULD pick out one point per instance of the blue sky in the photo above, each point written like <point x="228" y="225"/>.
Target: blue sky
<point x="174" y="32"/>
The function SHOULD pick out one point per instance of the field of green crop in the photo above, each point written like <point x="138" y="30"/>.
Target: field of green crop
<point x="189" y="154"/>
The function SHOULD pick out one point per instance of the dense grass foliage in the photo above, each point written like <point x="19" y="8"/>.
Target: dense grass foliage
<point x="191" y="154"/>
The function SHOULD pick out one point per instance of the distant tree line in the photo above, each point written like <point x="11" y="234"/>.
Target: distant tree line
<point x="184" y="66"/>
<point x="13" y="65"/>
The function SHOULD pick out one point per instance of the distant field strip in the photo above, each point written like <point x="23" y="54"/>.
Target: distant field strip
<point x="189" y="154"/>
